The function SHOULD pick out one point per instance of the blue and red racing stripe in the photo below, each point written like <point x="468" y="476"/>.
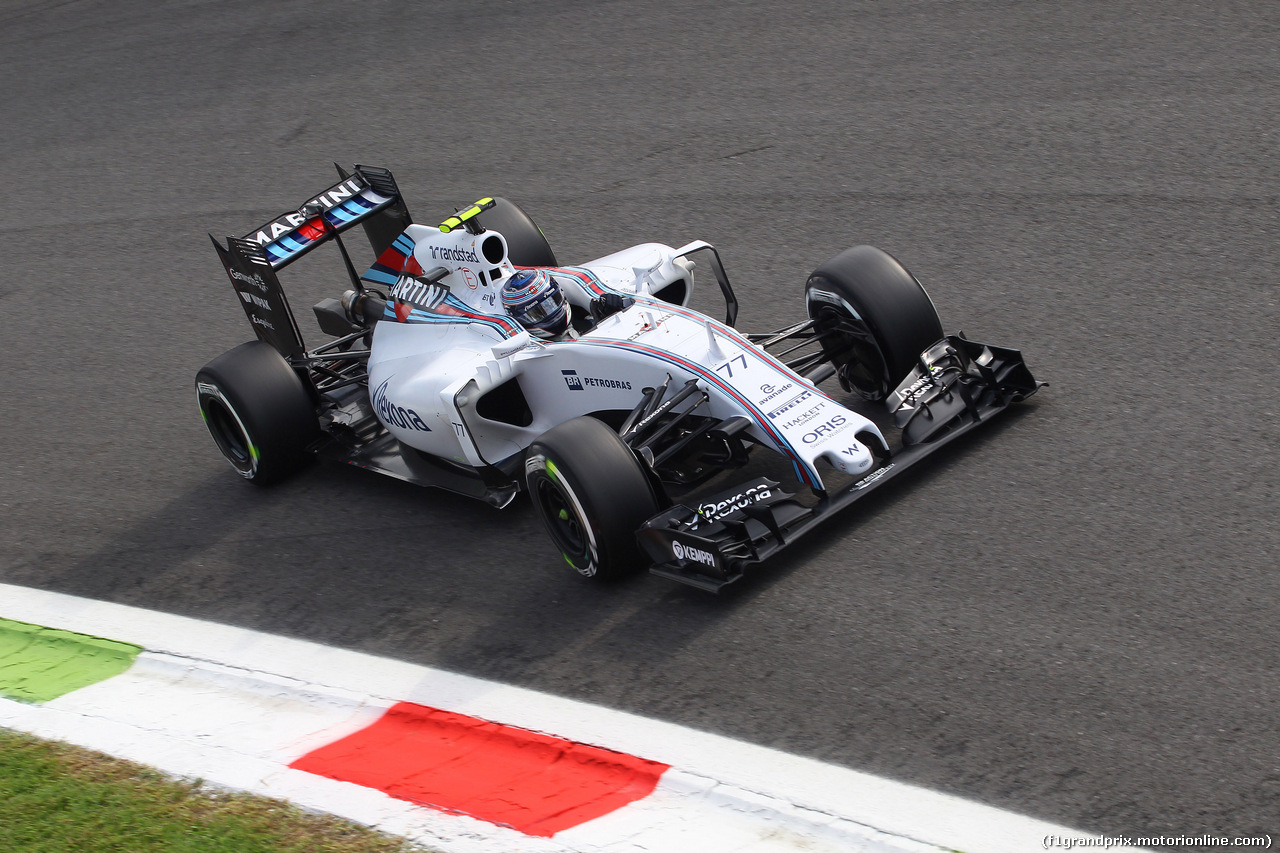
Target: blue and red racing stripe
<point x="357" y="207"/>
<point x="593" y="285"/>
<point x="803" y="470"/>
<point x="453" y="311"/>
<point x="386" y="270"/>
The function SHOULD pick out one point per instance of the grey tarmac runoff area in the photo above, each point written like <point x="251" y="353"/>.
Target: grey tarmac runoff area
<point x="1071" y="616"/>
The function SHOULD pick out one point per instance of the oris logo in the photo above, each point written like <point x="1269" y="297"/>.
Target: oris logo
<point x="693" y="555"/>
<point x="829" y="427"/>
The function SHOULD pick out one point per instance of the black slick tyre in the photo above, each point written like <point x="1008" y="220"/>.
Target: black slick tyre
<point x="526" y="244"/>
<point x="875" y="318"/>
<point x="591" y="495"/>
<point x="258" y="412"/>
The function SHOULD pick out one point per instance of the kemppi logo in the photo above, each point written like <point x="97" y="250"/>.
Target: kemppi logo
<point x="693" y="555"/>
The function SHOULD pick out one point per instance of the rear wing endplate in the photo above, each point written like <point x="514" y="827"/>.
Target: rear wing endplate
<point x="260" y="295"/>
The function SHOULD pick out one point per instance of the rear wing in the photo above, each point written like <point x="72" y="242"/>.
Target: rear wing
<point x="368" y="196"/>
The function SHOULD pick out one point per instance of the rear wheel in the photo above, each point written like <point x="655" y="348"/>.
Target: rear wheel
<point x="874" y="318"/>
<point x="258" y="412"/>
<point x="591" y="495"/>
<point x="526" y="244"/>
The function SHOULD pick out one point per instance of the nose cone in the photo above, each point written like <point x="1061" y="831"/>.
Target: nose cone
<point x="852" y="458"/>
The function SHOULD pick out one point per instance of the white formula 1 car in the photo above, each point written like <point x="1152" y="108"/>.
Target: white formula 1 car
<point x="647" y="434"/>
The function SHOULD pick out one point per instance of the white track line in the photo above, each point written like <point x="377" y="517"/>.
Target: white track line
<point x="235" y="707"/>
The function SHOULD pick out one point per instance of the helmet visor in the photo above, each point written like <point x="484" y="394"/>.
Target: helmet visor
<point x="550" y="303"/>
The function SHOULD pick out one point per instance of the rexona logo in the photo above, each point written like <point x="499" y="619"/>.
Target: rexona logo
<point x="396" y="415"/>
<point x="828" y="428"/>
<point x="581" y="383"/>
<point x="693" y="555"/>
<point x="719" y="509"/>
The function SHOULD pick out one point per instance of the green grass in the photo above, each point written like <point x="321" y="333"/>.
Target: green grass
<point x="56" y="798"/>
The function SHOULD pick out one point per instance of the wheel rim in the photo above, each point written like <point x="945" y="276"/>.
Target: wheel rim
<point x="854" y="347"/>
<point x="566" y="527"/>
<point x="229" y="435"/>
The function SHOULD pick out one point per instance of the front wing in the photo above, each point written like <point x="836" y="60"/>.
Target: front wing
<point x="710" y="546"/>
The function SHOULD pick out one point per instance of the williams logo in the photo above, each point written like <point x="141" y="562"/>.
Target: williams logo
<point x="581" y="383"/>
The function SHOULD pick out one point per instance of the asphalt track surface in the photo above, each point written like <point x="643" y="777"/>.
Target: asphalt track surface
<point x="1071" y="615"/>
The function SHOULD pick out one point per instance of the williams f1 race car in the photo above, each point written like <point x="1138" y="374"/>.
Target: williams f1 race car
<point x="646" y="433"/>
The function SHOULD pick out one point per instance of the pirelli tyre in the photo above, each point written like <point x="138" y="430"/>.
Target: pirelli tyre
<point x="258" y="412"/>
<point x="874" y="319"/>
<point x="592" y="495"/>
<point x="527" y="246"/>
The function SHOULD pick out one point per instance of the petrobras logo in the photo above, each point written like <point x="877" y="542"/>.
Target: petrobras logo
<point x="396" y="415"/>
<point x="581" y="383"/>
<point x="692" y="555"/>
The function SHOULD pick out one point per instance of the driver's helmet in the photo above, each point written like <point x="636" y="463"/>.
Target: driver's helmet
<point x="534" y="299"/>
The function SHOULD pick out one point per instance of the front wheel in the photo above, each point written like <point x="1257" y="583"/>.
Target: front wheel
<point x="258" y="412"/>
<point x="591" y="495"/>
<point x="874" y="319"/>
